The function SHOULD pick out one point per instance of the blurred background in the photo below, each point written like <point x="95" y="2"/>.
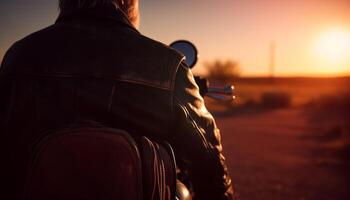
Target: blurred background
<point x="287" y="133"/>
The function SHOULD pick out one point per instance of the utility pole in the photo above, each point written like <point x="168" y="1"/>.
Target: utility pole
<point x="272" y="61"/>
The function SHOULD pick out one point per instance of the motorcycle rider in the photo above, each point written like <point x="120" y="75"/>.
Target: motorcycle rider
<point x="93" y="64"/>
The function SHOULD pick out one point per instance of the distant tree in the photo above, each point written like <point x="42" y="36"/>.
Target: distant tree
<point x="222" y="71"/>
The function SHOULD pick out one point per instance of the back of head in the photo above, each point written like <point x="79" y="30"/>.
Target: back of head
<point x="129" y="7"/>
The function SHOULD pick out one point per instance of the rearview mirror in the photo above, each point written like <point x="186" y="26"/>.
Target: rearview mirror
<point x="188" y="49"/>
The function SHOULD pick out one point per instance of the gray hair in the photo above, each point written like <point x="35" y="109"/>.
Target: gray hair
<point x="129" y="7"/>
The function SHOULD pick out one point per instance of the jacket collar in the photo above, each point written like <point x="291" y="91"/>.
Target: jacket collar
<point x="109" y="13"/>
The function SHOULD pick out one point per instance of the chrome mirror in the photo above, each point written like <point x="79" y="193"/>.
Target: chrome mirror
<point x="188" y="49"/>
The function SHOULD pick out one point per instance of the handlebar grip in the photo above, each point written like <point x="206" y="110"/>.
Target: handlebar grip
<point x="227" y="90"/>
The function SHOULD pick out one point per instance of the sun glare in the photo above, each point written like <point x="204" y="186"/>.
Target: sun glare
<point x="334" y="46"/>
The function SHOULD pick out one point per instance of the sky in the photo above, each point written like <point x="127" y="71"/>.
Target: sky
<point x="312" y="37"/>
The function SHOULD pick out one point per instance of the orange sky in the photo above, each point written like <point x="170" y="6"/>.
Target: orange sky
<point x="225" y="29"/>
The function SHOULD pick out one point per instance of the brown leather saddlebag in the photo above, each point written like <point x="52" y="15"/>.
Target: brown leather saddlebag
<point x="97" y="163"/>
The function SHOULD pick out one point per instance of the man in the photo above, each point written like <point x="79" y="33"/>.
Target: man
<point x="93" y="64"/>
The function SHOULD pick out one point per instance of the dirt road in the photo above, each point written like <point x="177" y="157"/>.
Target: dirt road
<point x="270" y="158"/>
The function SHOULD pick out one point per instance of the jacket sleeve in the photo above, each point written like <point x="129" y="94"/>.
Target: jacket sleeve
<point x="197" y="141"/>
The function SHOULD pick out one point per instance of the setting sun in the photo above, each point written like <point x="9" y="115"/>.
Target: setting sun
<point x="333" y="47"/>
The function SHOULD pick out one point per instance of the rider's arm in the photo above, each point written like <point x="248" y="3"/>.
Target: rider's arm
<point x="196" y="140"/>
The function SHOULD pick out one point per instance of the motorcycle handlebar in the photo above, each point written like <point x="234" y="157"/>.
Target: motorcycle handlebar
<point x="215" y="92"/>
<point x="227" y="90"/>
<point x="221" y="93"/>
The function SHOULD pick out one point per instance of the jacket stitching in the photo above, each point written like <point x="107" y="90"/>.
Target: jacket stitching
<point x="62" y="75"/>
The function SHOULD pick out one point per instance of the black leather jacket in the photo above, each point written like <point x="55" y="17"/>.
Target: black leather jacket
<point x="94" y="65"/>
